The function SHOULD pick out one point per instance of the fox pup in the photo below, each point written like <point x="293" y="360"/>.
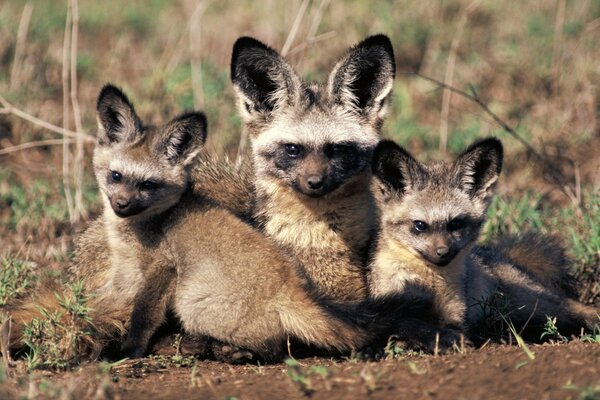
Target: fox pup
<point x="142" y="172"/>
<point x="431" y="216"/>
<point x="311" y="148"/>
<point x="173" y="248"/>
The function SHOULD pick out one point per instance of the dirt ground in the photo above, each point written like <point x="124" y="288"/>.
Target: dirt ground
<point x="565" y="371"/>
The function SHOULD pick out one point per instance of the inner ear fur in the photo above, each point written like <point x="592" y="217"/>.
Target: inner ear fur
<point x="477" y="169"/>
<point x="363" y="79"/>
<point x="184" y="137"/>
<point x="117" y="119"/>
<point x="395" y="167"/>
<point x="264" y="82"/>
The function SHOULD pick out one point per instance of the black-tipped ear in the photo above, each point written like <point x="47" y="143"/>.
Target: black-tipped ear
<point x="117" y="120"/>
<point x="363" y="79"/>
<point x="477" y="169"/>
<point x="395" y="168"/>
<point x="184" y="137"/>
<point x="263" y="81"/>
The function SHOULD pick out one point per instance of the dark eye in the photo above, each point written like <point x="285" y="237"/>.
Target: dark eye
<point x="339" y="149"/>
<point x="456" y="224"/>
<point x="293" y="150"/>
<point x="116" y="176"/>
<point x="148" y="185"/>
<point x="420" y="226"/>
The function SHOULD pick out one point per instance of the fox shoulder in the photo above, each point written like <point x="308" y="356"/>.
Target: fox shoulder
<point x="226" y="183"/>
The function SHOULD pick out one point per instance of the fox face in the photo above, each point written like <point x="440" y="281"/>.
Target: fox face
<point x="313" y="138"/>
<point x="436" y="211"/>
<point x="143" y="170"/>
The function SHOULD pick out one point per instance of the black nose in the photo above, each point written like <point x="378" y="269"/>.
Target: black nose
<point x="442" y="251"/>
<point x="315" y="181"/>
<point x="122" y="203"/>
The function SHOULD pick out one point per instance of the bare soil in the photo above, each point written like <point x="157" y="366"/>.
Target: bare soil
<point x="494" y="372"/>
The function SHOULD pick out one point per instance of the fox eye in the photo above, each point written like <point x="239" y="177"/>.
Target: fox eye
<point x="293" y="150"/>
<point x="116" y="176"/>
<point x="456" y="224"/>
<point x="341" y="149"/>
<point x="148" y="185"/>
<point x="420" y="226"/>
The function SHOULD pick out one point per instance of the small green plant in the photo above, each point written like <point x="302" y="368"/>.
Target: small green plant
<point x="53" y="339"/>
<point x="16" y="278"/>
<point x="551" y="331"/>
<point x="302" y="376"/>
<point x="194" y="375"/>
<point x="394" y="349"/>
<point x="414" y="369"/>
<point x="594" y="336"/>
<point x="590" y="392"/>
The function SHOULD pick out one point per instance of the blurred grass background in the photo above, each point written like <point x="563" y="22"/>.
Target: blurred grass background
<point x="536" y="64"/>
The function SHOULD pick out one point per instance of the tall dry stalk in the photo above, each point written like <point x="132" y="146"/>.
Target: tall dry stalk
<point x="558" y="39"/>
<point x="295" y="26"/>
<point x="195" y="54"/>
<point x="8" y="108"/>
<point x="66" y="151"/>
<point x="449" y="77"/>
<point x="78" y="162"/>
<point x="312" y="37"/>
<point x="17" y="66"/>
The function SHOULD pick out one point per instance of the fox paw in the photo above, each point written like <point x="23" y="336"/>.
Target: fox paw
<point x="440" y="341"/>
<point x="232" y="354"/>
<point x="132" y="350"/>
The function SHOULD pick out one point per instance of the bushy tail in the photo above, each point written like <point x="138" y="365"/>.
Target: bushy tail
<point x="542" y="257"/>
<point x="349" y="325"/>
<point x="225" y="183"/>
<point x="87" y="325"/>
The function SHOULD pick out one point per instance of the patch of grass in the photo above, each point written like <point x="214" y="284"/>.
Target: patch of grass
<point x="53" y="340"/>
<point x="31" y="204"/>
<point x="16" y="278"/>
<point x="593" y="337"/>
<point x="551" y="331"/>
<point x="512" y="215"/>
<point x="301" y="376"/>
<point x="590" y="392"/>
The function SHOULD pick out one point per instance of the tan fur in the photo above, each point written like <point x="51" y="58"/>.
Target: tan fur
<point x="221" y="292"/>
<point x="394" y="267"/>
<point x="225" y="183"/>
<point x="326" y="228"/>
<point x="419" y="204"/>
<point x="326" y="236"/>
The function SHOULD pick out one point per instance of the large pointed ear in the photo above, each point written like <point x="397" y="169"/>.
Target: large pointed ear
<point x="117" y="120"/>
<point x="263" y="81"/>
<point x="184" y="137"/>
<point x="396" y="169"/>
<point x="362" y="81"/>
<point x="477" y="169"/>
